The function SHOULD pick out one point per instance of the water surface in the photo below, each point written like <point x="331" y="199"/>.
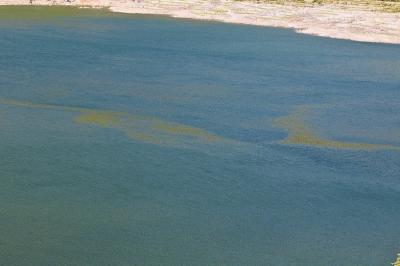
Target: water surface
<point x="142" y="140"/>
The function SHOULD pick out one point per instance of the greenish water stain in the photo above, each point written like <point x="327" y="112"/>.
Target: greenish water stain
<point x="142" y="128"/>
<point x="299" y="133"/>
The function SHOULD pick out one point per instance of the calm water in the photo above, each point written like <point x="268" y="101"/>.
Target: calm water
<point x="134" y="140"/>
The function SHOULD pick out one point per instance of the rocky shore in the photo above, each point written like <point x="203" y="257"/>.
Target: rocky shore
<point x="336" y="20"/>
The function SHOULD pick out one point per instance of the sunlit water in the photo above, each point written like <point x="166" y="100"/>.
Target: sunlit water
<point x="135" y="140"/>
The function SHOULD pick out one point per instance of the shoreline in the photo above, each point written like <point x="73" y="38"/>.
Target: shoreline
<point x="349" y="22"/>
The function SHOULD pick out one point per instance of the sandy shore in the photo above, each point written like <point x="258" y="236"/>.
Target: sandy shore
<point x="356" y="23"/>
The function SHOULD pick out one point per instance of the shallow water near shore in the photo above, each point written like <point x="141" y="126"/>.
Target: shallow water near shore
<point x="143" y="140"/>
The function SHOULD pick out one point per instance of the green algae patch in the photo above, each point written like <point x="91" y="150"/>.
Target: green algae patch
<point x="103" y="119"/>
<point x="185" y="131"/>
<point x="299" y="133"/>
<point x="144" y="128"/>
<point x="138" y="127"/>
<point x="26" y="104"/>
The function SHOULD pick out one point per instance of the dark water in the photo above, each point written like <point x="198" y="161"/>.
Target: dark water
<point x="133" y="140"/>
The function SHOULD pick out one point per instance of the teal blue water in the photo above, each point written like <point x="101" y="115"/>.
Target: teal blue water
<point x="139" y="140"/>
